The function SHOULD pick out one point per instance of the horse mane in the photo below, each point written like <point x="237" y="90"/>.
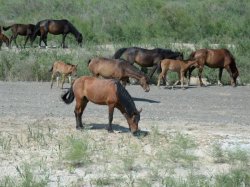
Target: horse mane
<point x="125" y="99"/>
<point x="74" y="30"/>
<point x="124" y="63"/>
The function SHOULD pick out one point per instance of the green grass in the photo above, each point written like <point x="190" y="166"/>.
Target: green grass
<point x="77" y="151"/>
<point x="143" y="23"/>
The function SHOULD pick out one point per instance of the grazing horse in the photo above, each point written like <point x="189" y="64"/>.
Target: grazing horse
<point x="117" y="69"/>
<point x="179" y="66"/>
<point x="65" y="69"/>
<point x="4" y="39"/>
<point x="22" y="30"/>
<point x="146" y="57"/>
<point x="216" y="58"/>
<point x="56" y="27"/>
<point x="102" y="92"/>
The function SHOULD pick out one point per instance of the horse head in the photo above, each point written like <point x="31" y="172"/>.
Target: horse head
<point x="79" y="39"/>
<point x="74" y="70"/>
<point x="133" y="121"/>
<point x="144" y="82"/>
<point x="235" y="74"/>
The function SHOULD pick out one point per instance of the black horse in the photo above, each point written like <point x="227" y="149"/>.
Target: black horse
<point x="147" y="57"/>
<point x="56" y="27"/>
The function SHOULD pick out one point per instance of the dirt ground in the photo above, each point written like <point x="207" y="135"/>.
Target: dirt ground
<point x="206" y="113"/>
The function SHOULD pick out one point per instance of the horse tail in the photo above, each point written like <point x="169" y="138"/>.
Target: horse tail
<point x="69" y="96"/>
<point x="7" y="28"/>
<point x="119" y="53"/>
<point x="89" y="61"/>
<point x="51" y="69"/>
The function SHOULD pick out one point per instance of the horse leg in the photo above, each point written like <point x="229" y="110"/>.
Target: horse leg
<point x="111" y="112"/>
<point x="161" y="76"/>
<point x="220" y="75"/>
<point x="63" y="40"/>
<point x="152" y="71"/>
<point x="70" y="79"/>
<point x="182" y="79"/>
<point x="233" y="83"/>
<point x="179" y="77"/>
<point x="199" y="74"/>
<point x="52" y="79"/>
<point x="63" y="80"/>
<point x="14" y="38"/>
<point x="79" y="108"/>
<point x="26" y="40"/>
<point x="189" y="74"/>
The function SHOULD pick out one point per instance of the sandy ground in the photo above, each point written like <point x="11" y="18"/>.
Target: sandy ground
<point x="206" y="113"/>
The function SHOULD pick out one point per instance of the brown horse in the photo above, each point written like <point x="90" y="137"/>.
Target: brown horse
<point x="22" y="30"/>
<point x="56" y="27"/>
<point x="65" y="69"/>
<point x="147" y="57"/>
<point x="102" y="92"/>
<point x="179" y="66"/>
<point x="216" y="58"/>
<point x="117" y="69"/>
<point x="4" y="39"/>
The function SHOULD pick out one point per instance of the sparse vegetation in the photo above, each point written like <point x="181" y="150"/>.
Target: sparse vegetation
<point x="121" y="159"/>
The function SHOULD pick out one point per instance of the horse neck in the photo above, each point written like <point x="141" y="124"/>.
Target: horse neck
<point x="73" y="30"/>
<point x="132" y="72"/>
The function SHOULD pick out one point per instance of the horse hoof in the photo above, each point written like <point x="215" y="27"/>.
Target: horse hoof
<point x="110" y="131"/>
<point x="79" y="127"/>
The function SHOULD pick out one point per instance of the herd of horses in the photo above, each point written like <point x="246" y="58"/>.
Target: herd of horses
<point x="117" y="70"/>
<point x="42" y="28"/>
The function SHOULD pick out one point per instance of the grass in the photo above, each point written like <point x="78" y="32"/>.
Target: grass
<point x="77" y="151"/>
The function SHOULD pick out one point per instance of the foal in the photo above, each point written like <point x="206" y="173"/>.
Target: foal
<point x="65" y="69"/>
<point x="178" y="66"/>
<point x="4" y="39"/>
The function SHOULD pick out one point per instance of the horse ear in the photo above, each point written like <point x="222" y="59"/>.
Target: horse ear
<point x="139" y="111"/>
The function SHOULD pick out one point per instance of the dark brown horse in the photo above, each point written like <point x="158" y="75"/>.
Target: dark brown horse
<point x="4" y="39"/>
<point x="147" y="57"/>
<point x="22" y="30"/>
<point x="56" y="27"/>
<point x="117" y="69"/>
<point x="102" y="92"/>
<point x="216" y="58"/>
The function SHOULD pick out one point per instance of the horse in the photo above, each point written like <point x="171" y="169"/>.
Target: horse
<point x="66" y="69"/>
<point x="102" y="92"/>
<point x="4" y="39"/>
<point x="22" y="30"/>
<point x="179" y="66"/>
<point x="146" y="57"/>
<point x="216" y="58"/>
<point x="117" y="69"/>
<point x="56" y="27"/>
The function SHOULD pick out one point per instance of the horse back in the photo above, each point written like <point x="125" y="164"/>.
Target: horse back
<point x="61" y="67"/>
<point x="98" y="91"/>
<point x="108" y="68"/>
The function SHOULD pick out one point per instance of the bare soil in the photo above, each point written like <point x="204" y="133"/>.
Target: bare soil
<point x="207" y="113"/>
